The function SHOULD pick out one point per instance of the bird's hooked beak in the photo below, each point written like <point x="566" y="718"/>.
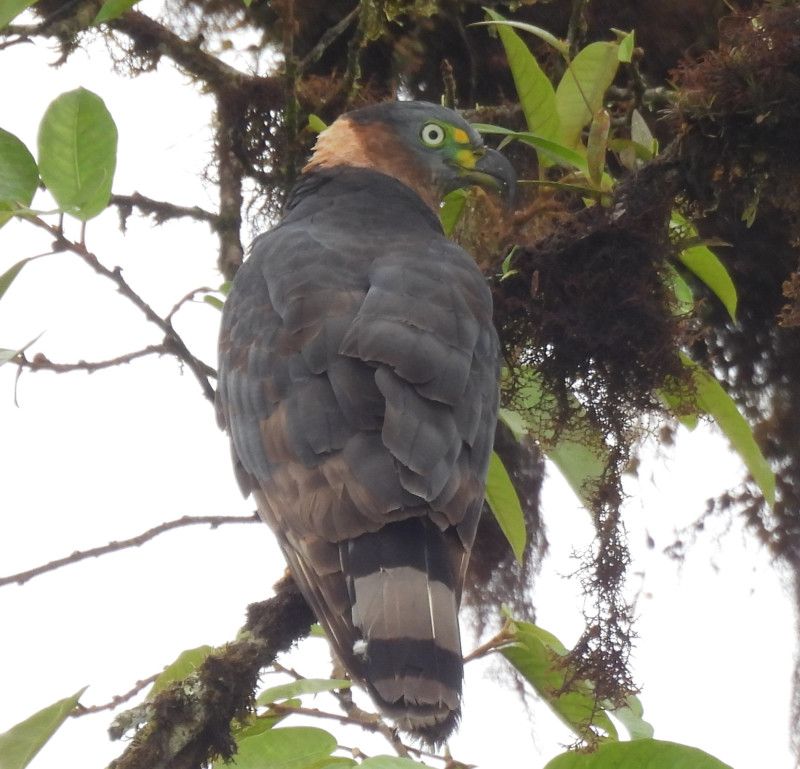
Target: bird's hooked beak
<point x="488" y="168"/>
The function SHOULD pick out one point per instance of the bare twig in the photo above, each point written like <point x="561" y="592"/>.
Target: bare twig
<point x="188" y="298"/>
<point x="496" y="642"/>
<point x="172" y="340"/>
<point x="115" y="702"/>
<point x="41" y="362"/>
<point x="81" y="555"/>
<point x="370" y="721"/>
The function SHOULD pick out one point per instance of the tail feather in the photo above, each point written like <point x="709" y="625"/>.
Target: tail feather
<point x="404" y="608"/>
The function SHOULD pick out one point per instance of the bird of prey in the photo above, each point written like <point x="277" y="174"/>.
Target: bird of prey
<point x="358" y="380"/>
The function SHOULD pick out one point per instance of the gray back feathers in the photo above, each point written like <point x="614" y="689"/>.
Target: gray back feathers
<point x="358" y="380"/>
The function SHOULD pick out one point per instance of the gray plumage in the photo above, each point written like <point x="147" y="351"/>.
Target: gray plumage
<point x="358" y="381"/>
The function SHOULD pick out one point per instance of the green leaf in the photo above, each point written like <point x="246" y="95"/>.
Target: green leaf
<point x="300" y="687"/>
<point x="582" y="88"/>
<point x="632" y="718"/>
<point x="552" y="150"/>
<point x="19" y="175"/>
<point x="290" y="747"/>
<point x="641" y="133"/>
<point x="649" y="753"/>
<point x="684" y="299"/>
<point x="597" y="144"/>
<point x="337" y="761"/>
<point x="706" y="266"/>
<point x="451" y="210"/>
<point x="22" y="742"/>
<point x="184" y="665"/>
<point x="214" y="301"/>
<point x="316" y="124"/>
<point x="626" y="46"/>
<point x="254" y="725"/>
<point x="8" y="277"/>
<point x="714" y="401"/>
<point x="9" y="355"/>
<point x="10" y="9"/>
<point x="534" y="89"/>
<point x="501" y="496"/>
<point x="112" y="9"/>
<point x="389" y="762"/>
<point x="78" y="152"/>
<point x="548" y="37"/>
<point x="539" y="657"/>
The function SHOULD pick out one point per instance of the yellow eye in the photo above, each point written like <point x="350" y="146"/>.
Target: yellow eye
<point x="433" y="134"/>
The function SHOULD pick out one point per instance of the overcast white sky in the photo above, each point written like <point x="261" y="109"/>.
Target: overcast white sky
<point x="88" y="459"/>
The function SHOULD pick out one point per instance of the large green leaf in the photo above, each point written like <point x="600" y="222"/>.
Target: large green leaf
<point x="639" y="754"/>
<point x="706" y="265"/>
<point x="552" y="150"/>
<point x="22" y="742"/>
<point x="502" y="498"/>
<point x="10" y="9"/>
<point x="540" y="657"/>
<point x="78" y="152"/>
<point x="537" y="97"/>
<point x="626" y="46"/>
<point x="580" y="93"/>
<point x="451" y="210"/>
<point x="184" y="665"/>
<point x="714" y="401"/>
<point x="300" y="687"/>
<point x="290" y="747"/>
<point x="19" y="175"/>
<point x="112" y="9"/>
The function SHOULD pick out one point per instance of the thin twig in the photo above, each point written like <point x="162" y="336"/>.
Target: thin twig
<point x="503" y="638"/>
<point x="41" y="362"/>
<point x="172" y="340"/>
<point x="80" y="555"/>
<point x="370" y="721"/>
<point x="328" y="37"/>
<point x="188" y="298"/>
<point x="116" y="701"/>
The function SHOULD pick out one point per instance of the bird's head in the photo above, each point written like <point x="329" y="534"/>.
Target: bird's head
<point x="429" y="148"/>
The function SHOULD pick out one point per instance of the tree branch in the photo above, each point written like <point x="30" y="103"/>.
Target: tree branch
<point x="189" y="724"/>
<point x="172" y="340"/>
<point x="81" y="555"/>
<point x="189" y="56"/>
<point x="40" y="362"/>
<point x="115" y="702"/>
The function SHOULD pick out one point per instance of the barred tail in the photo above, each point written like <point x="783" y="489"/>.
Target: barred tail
<point x="404" y="606"/>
